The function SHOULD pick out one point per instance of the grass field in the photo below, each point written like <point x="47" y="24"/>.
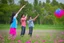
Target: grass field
<point x="44" y="27"/>
<point x="41" y="34"/>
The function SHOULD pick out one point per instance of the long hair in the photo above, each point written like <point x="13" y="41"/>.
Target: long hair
<point x="13" y="14"/>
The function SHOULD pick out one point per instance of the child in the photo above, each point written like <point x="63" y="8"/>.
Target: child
<point x="31" y="24"/>
<point x="14" y="24"/>
<point x="23" y="24"/>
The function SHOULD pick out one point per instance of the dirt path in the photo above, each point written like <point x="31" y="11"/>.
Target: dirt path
<point x="35" y="32"/>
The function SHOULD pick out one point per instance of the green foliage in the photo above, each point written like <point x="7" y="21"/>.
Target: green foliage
<point x="47" y="1"/>
<point x="11" y="1"/>
<point x="3" y="1"/>
<point x="6" y="11"/>
<point x="54" y="2"/>
<point x="22" y="2"/>
<point x="62" y="5"/>
<point x="35" y="3"/>
<point x="45" y="11"/>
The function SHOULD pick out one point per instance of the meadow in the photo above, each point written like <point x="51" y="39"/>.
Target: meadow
<point x="41" y="34"/>
<point x="37" y="26"/>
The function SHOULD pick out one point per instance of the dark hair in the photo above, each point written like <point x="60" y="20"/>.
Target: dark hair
<point x="13" y="14"/>
<point x="30" y="16"/>
<point x="21" y="15"/>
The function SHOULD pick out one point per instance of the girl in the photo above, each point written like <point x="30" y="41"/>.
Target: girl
<point x="23" y="24"/>
<point x="31" y="24"/>
<point x="14" y="24"/>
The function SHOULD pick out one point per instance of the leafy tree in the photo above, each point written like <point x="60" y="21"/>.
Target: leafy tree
<point x="3" y="1"/>
<point x="22" y="2"/>
<point x="47" y="1"/>
<point x="35" y="3"/>
<point x="62" y="5"/>
<point x="45" y="11"/>
<point x="11" y="1"/>
<point x="54" y="2"/>
<point x="43" y="4"/>
<point x="6" y="11"/>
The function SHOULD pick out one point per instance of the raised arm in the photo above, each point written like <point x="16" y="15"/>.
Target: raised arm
<point x="19" y="11"/>
<point x="35" y="17"/>
<point x="26" y="16"/>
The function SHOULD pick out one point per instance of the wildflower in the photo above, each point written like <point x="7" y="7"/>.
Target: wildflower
<point x="62" y="32"/>
<point x="60" y="40"/>
<point x="37" y="36"/>
<point x="43" y="40"/>
<point x="28" y="41"/>
<point x="19" y="41"/>
<point x="35" y="42"/>
<point x="55" y="41"/>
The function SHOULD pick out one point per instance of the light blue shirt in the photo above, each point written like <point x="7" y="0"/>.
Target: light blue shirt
<point x="14" y="23"/>
<point x="30" y="23"/>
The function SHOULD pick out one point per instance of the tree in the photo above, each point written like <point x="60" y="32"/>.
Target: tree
<point x="6" y="11"/>
<point x="3" y="1"/>
<point x="45" y="11"/>
<point x="43" y="4"/>
<point x="22" y="2"/>
<point x="40" y="3"/>
<point x="62" y="5"/>
<point x="54" y="2"/>
<point x="35" y="3"/>
<point x="11" y="2"/>
<point x="47" y="1"/>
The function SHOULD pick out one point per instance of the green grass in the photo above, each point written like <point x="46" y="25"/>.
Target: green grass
<point x="47" y="36"/>
<point x="44" y="27"/>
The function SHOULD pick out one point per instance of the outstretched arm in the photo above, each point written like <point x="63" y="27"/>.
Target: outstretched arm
<point x="26" y="16"/>
<point x="35" y="17"/>
<point x="19" y="11"/>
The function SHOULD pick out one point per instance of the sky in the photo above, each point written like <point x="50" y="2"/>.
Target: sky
<point x="31" y="1"/>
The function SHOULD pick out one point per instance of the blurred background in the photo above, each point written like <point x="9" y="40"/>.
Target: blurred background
<point x="45" y="8"/>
